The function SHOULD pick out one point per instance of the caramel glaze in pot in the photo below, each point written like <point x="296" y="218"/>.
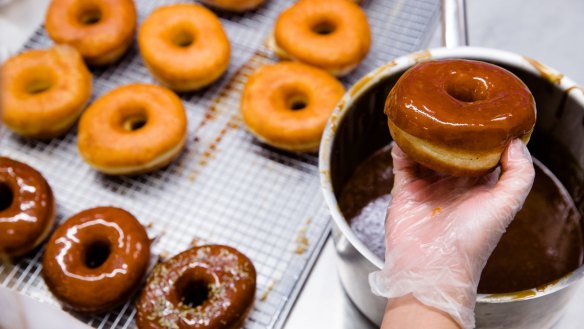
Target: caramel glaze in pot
<point x="542" y="244"/>
<point x="27" y="207"/>
<point x="462" y="104"/>
<point x="96" y="259"/>
<point x="210" y="286"/>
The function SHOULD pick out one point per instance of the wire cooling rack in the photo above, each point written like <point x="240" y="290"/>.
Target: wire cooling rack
<point x="226" y="187"/>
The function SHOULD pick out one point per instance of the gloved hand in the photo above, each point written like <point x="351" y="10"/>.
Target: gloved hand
<point x="440" y="230"/>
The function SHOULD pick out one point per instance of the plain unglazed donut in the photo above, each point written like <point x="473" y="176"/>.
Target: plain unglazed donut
<point x="102" y="30"/>
<point x="234" y="5"/>
<point x="43" y="92"/>
<point x="458" y="116"/>
<point x="27" y="208"/>
<point x="287" y="105"/>
<point x="133" y="129"/>
<point x="96" y="259"/>
<point x="330" y="34"/>
<point x="205" y="287"/>
<point x="184" y="46"/>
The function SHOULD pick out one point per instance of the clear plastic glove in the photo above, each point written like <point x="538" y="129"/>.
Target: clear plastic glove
<point x="440" y="230"/>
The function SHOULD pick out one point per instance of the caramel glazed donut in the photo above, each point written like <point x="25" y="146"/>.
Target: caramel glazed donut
<point x="330" y="34"/>
<point x="102" y="30"/>
<point x="27" y="208"/>
<point x="96" y="259"/>
<point x="287" y="105"/>
<point x="209" y="286"/>
<point x="237" y="6"/>
<point x="133" y="129"/>
<point x="457" y="116"/>
<point x="184" y="46"/>
<point x="43" y="92"/>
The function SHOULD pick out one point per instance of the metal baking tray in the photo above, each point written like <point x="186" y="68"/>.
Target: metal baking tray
<point x="226" y="187"/>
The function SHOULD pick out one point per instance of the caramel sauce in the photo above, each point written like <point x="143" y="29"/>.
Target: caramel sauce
<point x="545" y="72"/>
<point x="543" y="243"/>
<point x="96" y="259"/>
<point x="461" y="104"/>
<point x="27" y="207"/>
<point x="210" y="286"/>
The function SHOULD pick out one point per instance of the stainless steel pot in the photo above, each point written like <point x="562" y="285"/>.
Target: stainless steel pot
<point x="358" y="127"/>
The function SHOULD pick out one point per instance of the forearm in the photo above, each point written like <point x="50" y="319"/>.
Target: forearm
<point x="408" y="312"/>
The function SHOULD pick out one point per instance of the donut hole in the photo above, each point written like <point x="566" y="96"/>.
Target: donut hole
<point x="324" y="27"/>
<point x="6" y="196"/>
<point x="183" y="39"/>
<point x="134" y="122"/>
<point x="192" y="292"/>
<point x="297" y="102"/>
<point x="468" y="90"/>
<point x="38" y="86"/>
<point x="97" y="253"/>
<point x="90" y="16"/>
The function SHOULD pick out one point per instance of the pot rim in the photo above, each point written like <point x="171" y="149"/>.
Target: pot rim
<point x="564" y="83"/>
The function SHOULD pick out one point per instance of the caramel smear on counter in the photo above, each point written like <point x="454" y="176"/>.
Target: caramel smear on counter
<point x="269" y="289"/>
<point x="301" y="240"/>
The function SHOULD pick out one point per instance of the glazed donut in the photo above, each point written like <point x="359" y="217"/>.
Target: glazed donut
<point x="330" y="34"/>
<point x="102" y="30"/>
<point x="133" y="129"/>
<point x="210" y="286"/>
<point x="184" y="46"/>
<point x="43" y="92"/>
<point x="457" y="116"/>
<point x="287" y="105"/>
<point x="237" y="6"/>
<point x="96" y="259"/>
<point x="27" y="208"/>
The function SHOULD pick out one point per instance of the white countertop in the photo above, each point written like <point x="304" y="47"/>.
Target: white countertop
<point x="550" y="31"/>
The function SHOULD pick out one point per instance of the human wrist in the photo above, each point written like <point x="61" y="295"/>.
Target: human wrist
<point x="408" y="312"/>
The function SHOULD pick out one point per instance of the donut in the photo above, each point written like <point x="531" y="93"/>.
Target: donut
<point x="211" y="286"/>
<point x="43" y="92"/>
<point x="333" y="35"/>
<point x="27" y="208"/>
<point x="458" y="116"/>
<point x="184" y="46"/>
<point x="102" y="30"/>
<point x="96" y="259"/>
<point x="287" y="105"/>
<point x="134" y="129"/>
<point x="237" y="6"/>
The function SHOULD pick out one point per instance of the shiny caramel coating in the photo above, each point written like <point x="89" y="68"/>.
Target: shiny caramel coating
<point x="224" y="277"/>
<point x="96" y="259"/>
<point x="457" y="116"/>
<point x="27" y="208"/>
